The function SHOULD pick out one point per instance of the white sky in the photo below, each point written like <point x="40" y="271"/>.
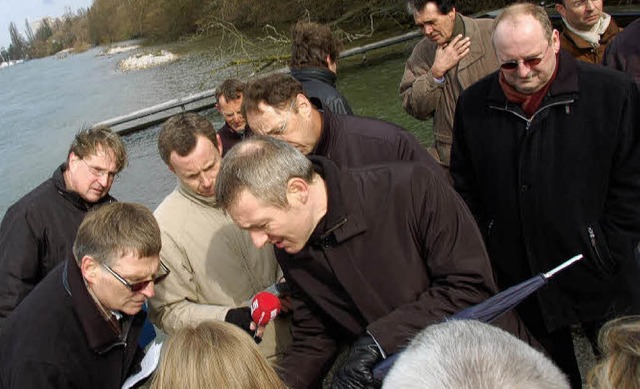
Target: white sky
<point x="18" y="10"/>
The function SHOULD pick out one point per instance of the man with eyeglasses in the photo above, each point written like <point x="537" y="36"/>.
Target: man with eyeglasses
<point x="229" y="103"/>
<point x="546" y="154"/>
<point x="587" y="29"/>
<point x="456" y="52"/>
<point x="215" y="269"/>
<point x="276" y="105"/>
<point x="79" y="327"/>
<point x="37" y="231"/>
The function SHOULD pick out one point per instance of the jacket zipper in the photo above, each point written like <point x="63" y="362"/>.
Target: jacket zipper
<point x="489" y="227"/>
<point x="594" y="244"/>
<point x="530" y="120"/>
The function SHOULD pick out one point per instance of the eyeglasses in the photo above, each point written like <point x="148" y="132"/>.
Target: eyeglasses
<point x="286" y="121"/>
<point x="138" y="286"/>
<point x="528" y="62"/>
<point x="99" y="172"/>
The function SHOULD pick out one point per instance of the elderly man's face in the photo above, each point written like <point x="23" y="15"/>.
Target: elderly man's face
<point x="434" y="25"/>
<point x="581" y="14"/>
<point x="91" y="177"/>
<point x="288" y="229"/>
<point x="111" y="291"/>
<point x="232" y="113"/>
<point x="521" y="39"/>
<point x="286" y="124"/>
<point x="198" y="170"/>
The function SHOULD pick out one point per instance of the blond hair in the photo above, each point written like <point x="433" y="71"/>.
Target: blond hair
<point x="619" y="341"/>
<point x="214" y="355"/>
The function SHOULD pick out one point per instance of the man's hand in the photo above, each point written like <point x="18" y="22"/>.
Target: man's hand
<point x="242" y="318"/>
<point x="357" y="371"/>
<point x="449" y="54"/>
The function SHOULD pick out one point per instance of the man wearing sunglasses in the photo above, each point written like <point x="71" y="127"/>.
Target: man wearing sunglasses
<point x="79" y="327"/>
<point x="215" y="269"/>
<point x="456" y="52"/>
<point x="546" y="154"/>
<point x="37" y="232"/>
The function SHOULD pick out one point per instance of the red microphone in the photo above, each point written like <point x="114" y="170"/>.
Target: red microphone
<point x="265" y="307"/>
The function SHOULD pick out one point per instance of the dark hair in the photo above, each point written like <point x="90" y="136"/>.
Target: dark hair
<point x="231" y="89"/>
<point x="276" y="90"/>
<point x="444" y="6"/>
<point x="88" y="140"/>
<point x="179" y="133"/>
<point x="311" y="43"/>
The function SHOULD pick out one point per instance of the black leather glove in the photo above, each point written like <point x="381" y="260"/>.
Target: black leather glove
<point x="240" y="317"/>
<point x="357" y="371"/>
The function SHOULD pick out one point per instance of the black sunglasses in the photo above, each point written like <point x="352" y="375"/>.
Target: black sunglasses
<point x="138" y="286"/>
<point x="530" y="62"/>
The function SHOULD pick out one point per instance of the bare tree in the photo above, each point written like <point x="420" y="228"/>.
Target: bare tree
<point x="18" y="43"/>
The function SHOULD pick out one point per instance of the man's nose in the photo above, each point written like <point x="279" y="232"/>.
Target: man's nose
<point x="206" y="179"/>
<point x="104" y="180"/>
<point x="149" y="290"/>
<point x="259" y="238"/>
<point x="427" y="29"/>
<point x="523" y="70"/>
<point x="589" y="4"/>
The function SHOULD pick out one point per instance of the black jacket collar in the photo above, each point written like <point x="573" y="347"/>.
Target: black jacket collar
<point x="323" y="147"/>
<point x="73" y="197"/>
<point x="100" y="333"/>
<point x="343" y="219"/>
<point x="315" y="74"/>
<point x="230" y="133"/>
<point x="564" y="86"/>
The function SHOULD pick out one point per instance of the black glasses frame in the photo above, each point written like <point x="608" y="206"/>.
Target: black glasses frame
<point x="138" y="286"/>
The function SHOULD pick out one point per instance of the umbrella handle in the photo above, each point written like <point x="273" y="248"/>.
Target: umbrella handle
<point x="563" y="265"/>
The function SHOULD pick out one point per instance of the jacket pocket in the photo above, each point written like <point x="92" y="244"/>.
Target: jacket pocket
<point x="603" y="258"/>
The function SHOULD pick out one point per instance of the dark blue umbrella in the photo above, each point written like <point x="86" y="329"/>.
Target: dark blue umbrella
<point x="491" y="308"/>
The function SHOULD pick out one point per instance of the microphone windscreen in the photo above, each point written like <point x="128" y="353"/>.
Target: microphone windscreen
<point x="265" y="307"/>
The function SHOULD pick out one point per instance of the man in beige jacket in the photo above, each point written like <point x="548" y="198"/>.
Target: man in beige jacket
<point x="455" y="52"/>
<point x="215" y="269"/>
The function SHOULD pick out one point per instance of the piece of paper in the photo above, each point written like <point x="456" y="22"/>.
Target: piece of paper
<point x="148" y="365"/>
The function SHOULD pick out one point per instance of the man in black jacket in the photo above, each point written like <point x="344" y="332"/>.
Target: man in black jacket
<point x="546" y="153"/>
<point x="275" y="105"/>
<point x="37" y="232"/>
<point x="79" y="327"/>
<point x="372" y="254"/>
<point x="314" y="56"/>
<point x="229" y="102"/>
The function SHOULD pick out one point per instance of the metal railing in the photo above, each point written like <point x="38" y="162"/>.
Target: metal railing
<point x="147" y="117"/>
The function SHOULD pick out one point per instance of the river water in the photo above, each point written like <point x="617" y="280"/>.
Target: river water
<point x="44" y="102"/>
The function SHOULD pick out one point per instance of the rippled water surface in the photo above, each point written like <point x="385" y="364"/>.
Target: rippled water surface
<point x="44" y="102"/>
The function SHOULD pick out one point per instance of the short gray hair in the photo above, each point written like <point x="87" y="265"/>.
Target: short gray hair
<point x="467" y="354"/>
<point x="262" y="165"/>
<point x="110" y="231"/>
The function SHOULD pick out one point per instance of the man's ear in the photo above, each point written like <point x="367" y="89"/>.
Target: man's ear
<point x="303" y="105"/>
<point x="89" y="268"/>
<point x="561" y="10"/>
<point x="297" y="190"/>
<point x="219" y="140"/>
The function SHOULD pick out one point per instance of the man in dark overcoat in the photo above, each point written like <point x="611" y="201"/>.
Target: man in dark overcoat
<point x="372" y="254"/>
<point x="546" y="154"/>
